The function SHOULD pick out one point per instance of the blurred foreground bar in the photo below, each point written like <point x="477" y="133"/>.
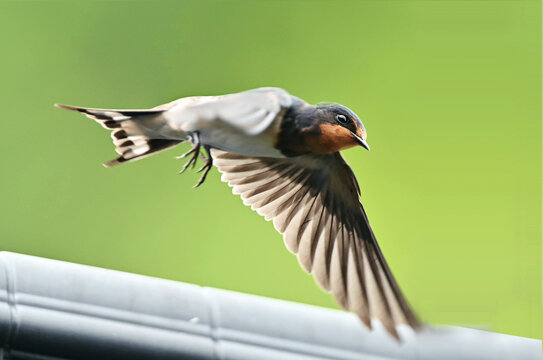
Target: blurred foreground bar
<point x="52" y="309"/>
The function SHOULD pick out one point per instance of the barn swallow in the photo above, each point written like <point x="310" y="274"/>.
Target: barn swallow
<point x="282" y="155"/>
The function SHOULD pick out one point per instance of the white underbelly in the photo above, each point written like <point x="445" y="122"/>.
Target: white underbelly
<point x="227" y="138"/>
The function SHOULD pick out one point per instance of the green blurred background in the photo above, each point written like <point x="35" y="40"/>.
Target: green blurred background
<point x="448" y="90"/>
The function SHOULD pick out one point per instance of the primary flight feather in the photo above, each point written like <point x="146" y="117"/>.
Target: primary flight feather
<point x="282" y="156"/>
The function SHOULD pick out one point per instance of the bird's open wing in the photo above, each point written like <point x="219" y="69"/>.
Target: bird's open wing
<point x="250" y="111"/>
<point x="313" y="201"/>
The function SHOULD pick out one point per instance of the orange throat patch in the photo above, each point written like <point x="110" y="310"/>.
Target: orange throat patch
<point x="332" y="138"/>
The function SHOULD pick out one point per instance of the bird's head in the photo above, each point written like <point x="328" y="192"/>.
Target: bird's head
<point x="335" y="128"/>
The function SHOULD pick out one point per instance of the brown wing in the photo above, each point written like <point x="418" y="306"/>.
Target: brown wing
<point x="313" y="201"/>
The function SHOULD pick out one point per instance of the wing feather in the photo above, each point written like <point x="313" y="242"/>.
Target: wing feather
<point x="313" y="201"/>
<point x="251" y="112"/>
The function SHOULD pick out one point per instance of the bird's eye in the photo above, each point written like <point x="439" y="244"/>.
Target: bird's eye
<point x="342" y="119"/>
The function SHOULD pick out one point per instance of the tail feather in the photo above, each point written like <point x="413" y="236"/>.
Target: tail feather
<point x="132" y="131"/>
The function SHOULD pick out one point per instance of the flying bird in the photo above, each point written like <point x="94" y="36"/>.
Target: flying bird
<point x="282" y="155"/>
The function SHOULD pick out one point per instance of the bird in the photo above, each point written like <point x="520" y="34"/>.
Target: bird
<point x="282" y="156"/>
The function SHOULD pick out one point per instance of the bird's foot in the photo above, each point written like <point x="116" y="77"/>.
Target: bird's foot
<point x="196" y="152"/>
<point x="208" y="164"/>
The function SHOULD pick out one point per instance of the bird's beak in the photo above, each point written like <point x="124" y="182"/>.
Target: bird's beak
<point x="362" y="142"/>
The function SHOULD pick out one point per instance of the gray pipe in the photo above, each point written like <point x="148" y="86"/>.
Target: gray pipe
<point x="57" y="309"/>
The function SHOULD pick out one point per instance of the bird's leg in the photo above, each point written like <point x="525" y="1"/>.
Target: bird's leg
<point x="195" y="152"/>
<point x="207" y="166"/>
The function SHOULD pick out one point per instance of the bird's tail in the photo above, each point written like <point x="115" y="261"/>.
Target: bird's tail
<point x="134" y="132"/>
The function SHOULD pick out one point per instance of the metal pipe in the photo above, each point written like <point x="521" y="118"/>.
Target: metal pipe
<point x="62" y="310"/>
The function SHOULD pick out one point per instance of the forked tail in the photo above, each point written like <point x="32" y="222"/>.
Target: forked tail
<point x="134" y="132"/>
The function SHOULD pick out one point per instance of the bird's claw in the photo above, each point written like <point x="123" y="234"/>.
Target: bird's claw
<point x="192" y="161"/>
<point x="185" y="154"/>
<point x="196" y="152"/>
<point x="207" y="166"/>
